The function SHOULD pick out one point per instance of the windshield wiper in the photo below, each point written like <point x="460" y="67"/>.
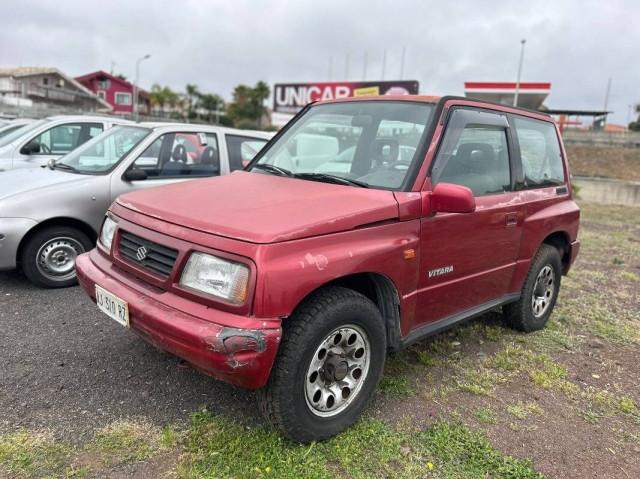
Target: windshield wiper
<point x="332" y="179"/>
<point x="273" y="169"/>
<point x="63" y="166"/>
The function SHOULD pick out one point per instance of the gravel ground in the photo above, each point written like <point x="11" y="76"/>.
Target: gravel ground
<point x="69" y="368"/>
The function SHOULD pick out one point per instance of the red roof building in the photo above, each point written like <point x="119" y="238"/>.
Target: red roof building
<point x="115" y="91"/>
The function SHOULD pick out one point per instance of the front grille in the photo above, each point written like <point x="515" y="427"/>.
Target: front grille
<point x="157" y="258"/>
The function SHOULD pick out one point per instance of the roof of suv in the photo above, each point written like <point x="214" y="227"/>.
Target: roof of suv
<point x="442" y="100"/>
<point x="201" y="127"/>
<point x="88" y="118"/>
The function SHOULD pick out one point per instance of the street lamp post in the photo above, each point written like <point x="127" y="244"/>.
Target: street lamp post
<point x="135" y="86"/>
<point x="515" y="97"/>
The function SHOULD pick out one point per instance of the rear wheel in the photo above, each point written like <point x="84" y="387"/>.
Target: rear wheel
<point x="328" y="366"/>
<point x="49" y="257"/>
<point x="539" y="293"/>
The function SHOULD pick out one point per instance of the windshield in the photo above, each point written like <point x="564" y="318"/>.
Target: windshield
<point x="14" y="135"/>
<point x="365" y="143"/>
<point x="103" y="152"/>
<point x="6" y="129"/>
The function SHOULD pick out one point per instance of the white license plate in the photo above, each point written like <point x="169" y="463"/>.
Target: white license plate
<point x="112" y="306"/>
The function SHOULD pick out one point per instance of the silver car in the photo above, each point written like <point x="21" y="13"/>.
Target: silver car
<point x="50" y="138"/>
<point x="49" y="215"/>
<point x="13" y="125"/>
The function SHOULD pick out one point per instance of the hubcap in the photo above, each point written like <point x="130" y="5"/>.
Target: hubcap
<point x="56" y="258"/>
<point x="337" y="371"/>
<point x="543" y="291"/>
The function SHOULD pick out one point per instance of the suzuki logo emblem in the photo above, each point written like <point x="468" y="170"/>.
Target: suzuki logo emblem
<point x="141" y="253"/>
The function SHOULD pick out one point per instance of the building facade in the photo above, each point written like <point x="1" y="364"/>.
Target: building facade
<point x="117" y="92"/>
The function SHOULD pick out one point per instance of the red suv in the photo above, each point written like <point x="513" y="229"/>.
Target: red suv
<point x="363" y="226"/>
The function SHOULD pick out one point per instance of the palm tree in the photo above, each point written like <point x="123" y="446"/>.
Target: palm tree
<point x="192" y="95"/>
<point x="261" y="92"/>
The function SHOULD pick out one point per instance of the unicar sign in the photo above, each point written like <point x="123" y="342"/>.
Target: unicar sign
<point x="292" y="97"/>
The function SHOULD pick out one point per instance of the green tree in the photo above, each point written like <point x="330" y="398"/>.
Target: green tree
<point x="211" y="103"/>
<point x="162" y="97"/>
<point x="193" y="95"/>
<point x="248" y="104"/>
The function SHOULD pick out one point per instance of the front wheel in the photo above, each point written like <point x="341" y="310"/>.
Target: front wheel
<point x="49" y="257"/>
<point x="328" y="366"/>
<point x="539" y="293"/>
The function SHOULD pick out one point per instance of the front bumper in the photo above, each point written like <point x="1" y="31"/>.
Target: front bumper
<point x="233" y="348"/>
<point x="12" y="230"/>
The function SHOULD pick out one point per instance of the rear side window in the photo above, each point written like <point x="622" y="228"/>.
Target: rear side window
<point x="474" y="153"/>
<point x="540" y="153"/>
<point x="242" y="149"/>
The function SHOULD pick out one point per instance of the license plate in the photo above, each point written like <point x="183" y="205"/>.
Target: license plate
<point x="112" y="306"/>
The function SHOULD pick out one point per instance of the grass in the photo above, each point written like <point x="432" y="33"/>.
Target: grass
<point x="125" y="441"/>
<point x="522" y="410"/>
<point x="217" y="447"/>
<point x="486" y="415"/>
<point x="31" y="454"/>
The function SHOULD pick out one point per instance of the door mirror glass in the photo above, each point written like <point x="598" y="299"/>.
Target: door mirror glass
<point x="134" y="174"/>
<point x="450" y="198"/>
<point x="31" y="148"/>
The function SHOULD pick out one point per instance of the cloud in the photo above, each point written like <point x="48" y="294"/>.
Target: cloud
<point x="577" y="45"/>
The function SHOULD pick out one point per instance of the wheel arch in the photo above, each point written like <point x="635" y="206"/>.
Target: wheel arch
<point x="381" y="290"/>
<point x="562" y="242"/>
<point x="58" y="221"/>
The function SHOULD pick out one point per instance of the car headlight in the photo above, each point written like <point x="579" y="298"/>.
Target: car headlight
<point x="107" y="232"/>
<point x="216" y="276"/>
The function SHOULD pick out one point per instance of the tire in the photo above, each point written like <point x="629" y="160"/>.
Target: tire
<point x="289" y="402"/>
<point x="527" y="314"/>
<point x="48" y="258"/>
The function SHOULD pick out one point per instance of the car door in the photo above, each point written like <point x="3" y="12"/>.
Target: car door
<point x="467" y="260"/>
<point x="171" y="157"/>
<point x="55" y="142"/>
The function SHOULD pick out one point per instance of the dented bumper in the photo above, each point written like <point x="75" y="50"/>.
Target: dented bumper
<point x="236" y="349"/>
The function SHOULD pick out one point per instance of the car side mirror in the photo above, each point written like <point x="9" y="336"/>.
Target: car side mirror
<point x="134" y="174"/>
<point x="30" y="148"/>
<point x="451" y="198"/>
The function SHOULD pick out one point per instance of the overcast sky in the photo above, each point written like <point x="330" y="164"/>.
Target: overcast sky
<point x="574" y="44"/>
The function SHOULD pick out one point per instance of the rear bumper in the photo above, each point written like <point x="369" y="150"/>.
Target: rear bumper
<point x="236" y="349"/>
<point x="12" y="230"/>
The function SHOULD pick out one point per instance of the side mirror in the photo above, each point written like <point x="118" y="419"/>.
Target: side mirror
<point x="134" y="174"/>
<point x="450" y="198"/>
<point x="30" y="148"/>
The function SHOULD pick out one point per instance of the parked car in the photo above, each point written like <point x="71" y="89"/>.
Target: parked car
<point x="50" y="138"/>
<point x="13" y="125"/>
<point x="295" y="278"/>
<point x="50" y="215"/>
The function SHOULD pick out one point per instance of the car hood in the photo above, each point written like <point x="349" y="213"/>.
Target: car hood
<point x="262" y="208"/>
<point x="25" y="181"/>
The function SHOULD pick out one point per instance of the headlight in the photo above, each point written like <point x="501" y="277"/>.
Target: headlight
<point x="218" y="277"/>
<point x="108" y="230"/>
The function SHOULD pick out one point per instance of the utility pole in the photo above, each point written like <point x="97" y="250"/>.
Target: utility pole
<point x="404" y="50"/>
<point x="606" y="101"/>
<point x="515" y="97"/>
<point x="346" y="66"/>
<point x="384" y="62"/>
<point x="135" y="86"/>
<point x="364" y="67"/>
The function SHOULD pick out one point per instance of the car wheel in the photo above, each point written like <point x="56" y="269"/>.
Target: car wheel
<point x="328" y="366"/>
<point x="539" y="293"/>
<point x="49" y="257"/>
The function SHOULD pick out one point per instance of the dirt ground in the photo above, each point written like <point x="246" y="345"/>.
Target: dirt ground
<point x="605" y="162"/>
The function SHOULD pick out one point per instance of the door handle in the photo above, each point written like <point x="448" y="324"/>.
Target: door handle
<point x="511" y="219"/>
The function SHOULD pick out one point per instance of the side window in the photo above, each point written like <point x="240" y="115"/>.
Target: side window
<point x="62" y="139"/>
<point x="242" y="149"/>
<point x="474" y="153"/>
<point x="181" y="154"/>
<point x="540" y="153"/>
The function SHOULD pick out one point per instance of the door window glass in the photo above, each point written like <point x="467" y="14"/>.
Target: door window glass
<point x="242" y="149"/>
<point x="540" y="153"/>
<point x="181" y="154"/>
<point x="474" y="155"/>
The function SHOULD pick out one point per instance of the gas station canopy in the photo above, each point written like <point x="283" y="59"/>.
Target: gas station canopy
<point x="530" y="95"/>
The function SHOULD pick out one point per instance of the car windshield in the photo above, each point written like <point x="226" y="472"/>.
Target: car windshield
<point x="361" y="143"/>
<point x="103" y="152"/>
<point x="9" y="128"/>
<point x="14" y="135"/>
